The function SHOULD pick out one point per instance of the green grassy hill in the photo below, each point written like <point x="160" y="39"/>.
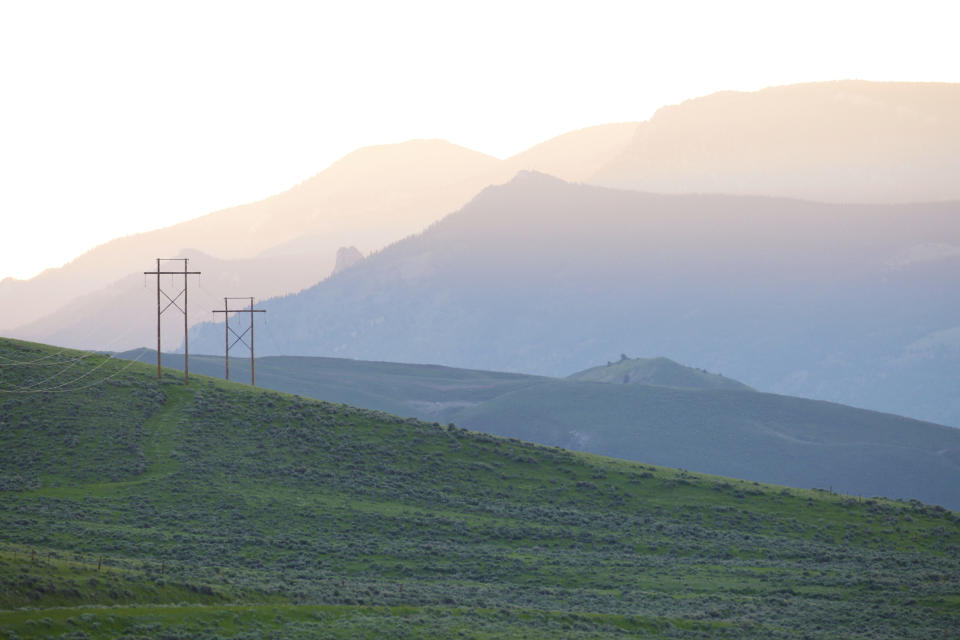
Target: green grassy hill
<point x="687" y="418"/>
<point x="755" y="436"/>
<point x="135" y="507"/>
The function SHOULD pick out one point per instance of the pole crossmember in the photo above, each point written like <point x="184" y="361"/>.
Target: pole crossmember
<point x="239" y="336"/>
<point x="173" y="302"/>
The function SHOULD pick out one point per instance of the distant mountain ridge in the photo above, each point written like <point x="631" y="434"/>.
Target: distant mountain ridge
<point x="539" y="275"/>
<point x="841" y="141"/>
<point x="899" y="140"/>
<point x="844" y="141"/>
<point x="369" y="198"/>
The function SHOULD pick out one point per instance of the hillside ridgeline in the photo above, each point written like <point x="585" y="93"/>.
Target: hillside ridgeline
<point x="727" y="431"/>
<point x="848" y="303"/>
<point x="842" y="141"/>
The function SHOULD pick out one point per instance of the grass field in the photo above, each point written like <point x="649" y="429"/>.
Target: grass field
<point x="667" y="414"/>
<point x="138" y="507"/>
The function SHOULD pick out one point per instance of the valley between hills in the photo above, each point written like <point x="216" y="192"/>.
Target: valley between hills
<point x="134" y="506"/>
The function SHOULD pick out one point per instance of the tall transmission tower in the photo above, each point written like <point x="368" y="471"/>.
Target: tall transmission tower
<point x="173" y="302"/>
<point x="226" y="311"/>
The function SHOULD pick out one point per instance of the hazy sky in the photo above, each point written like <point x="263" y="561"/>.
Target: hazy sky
<point x="118" y="117"/>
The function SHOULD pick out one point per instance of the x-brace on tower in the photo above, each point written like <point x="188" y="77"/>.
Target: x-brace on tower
<point x="238" y="336"/>
<point x="173" y="302"/>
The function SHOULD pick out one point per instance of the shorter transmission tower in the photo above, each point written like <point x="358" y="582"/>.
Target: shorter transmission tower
<point x="238" y="336"/>
<point x="173" y="302"/>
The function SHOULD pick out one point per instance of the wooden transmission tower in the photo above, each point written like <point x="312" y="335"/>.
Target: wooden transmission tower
<point x="238" y="336"/>
<point x="173" y="302"/>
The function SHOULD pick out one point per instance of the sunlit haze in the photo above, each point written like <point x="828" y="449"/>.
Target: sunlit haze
<point x="121" y="117"/>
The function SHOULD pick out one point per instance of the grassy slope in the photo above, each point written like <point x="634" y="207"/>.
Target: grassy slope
<point x="427" y="391"/>
<point x="277" y="516"/>
<point x="732" y="432"/>
<point x="744" y="434"/>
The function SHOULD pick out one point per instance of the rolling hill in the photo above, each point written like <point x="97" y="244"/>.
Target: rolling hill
<point x="686" y="418"/>
<point x="137" y="506"/>
<point x="846" y="303"/>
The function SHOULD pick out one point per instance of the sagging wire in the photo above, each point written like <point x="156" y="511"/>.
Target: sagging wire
<point x="58" y="388"/>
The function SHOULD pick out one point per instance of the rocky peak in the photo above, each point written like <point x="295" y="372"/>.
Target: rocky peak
<point x="346" y="258"/>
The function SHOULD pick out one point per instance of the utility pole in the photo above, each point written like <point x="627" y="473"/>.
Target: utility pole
<point x="239" y="336"/>
<point x="173" y="302"/>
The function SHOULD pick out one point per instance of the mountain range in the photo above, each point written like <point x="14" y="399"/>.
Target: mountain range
<point x="848" y="303"/>
<point x="284" y="243"/>
<point x="846" y="141"/>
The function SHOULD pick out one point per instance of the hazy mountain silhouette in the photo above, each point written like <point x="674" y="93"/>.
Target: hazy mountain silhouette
<point x="845" y="141"/>
<point x="841" y="302"/>
<point x="576" y="156"/>
<point x="124" y="313"/>
<point x="368" y="199"/>
<point x="848" y="140"/>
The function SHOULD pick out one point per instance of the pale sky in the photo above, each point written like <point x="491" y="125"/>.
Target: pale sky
<point x="119" y="117"/>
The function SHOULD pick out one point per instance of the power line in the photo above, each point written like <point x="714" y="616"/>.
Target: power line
<point x="64" y="365"/>
<point x="37" y="363"/>
<point x="58" y="388"/>
<point x="41" y="386"/>
<point x="31" y="387"/>
<point x="41" y="361"/>
<point x="55" y="375"/>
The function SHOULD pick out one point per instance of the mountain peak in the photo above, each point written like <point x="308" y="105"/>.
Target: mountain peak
<point x="346" y="258"/>
<point x="420" y="151"/>
<point x="531" y="176"/>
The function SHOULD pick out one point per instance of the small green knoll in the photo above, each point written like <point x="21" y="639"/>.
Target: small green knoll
<point x="657" y="371"/>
